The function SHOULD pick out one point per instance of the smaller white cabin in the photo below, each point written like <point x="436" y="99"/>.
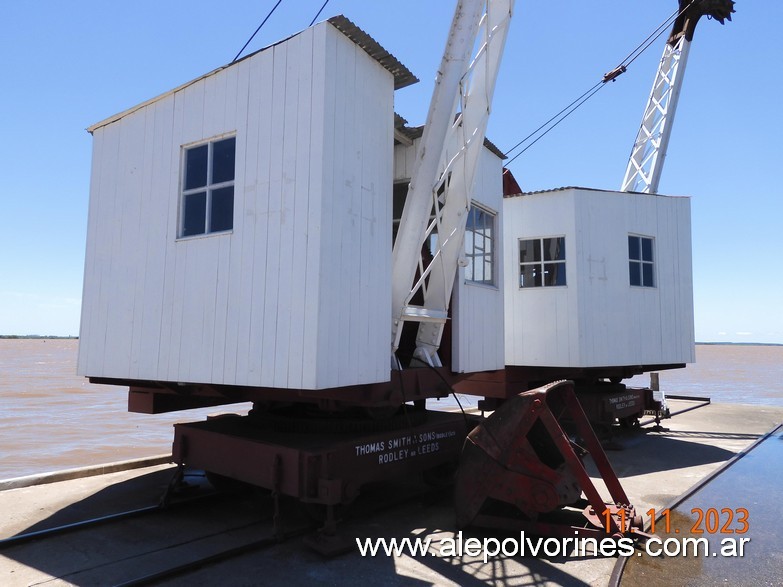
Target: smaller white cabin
<point x="597" y="278"/>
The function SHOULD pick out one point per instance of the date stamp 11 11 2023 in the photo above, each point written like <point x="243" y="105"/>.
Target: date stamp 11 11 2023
<point x="704" y="521"/>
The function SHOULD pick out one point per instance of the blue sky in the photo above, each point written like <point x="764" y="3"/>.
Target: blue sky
<point x="68" y="65"/>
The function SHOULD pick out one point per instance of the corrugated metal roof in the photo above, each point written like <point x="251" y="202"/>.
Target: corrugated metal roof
<point x="402" y="75"/>
<point x="415" y="132"/>
<point x="561" y="189"/>
<point x="583" y="189"/>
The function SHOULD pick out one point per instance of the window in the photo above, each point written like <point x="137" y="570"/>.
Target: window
<point x="542" y="262"/>
<point x="207" y="203"/>
<point x="480" y="246"/>
<point x="641" y="265"/>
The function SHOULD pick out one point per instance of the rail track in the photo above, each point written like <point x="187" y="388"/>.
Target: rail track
<point x="153" y="544"/>
<point x="34" y="535"/>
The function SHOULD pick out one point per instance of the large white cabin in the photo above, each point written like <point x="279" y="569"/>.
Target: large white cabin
<point x="240" y="226"/>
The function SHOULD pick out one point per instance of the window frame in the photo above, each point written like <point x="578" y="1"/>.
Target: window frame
<point x="208" y="189"/>
<point x="541" y="263"/>
<point x="491" y="254"/>
<point x="641" y="262"/>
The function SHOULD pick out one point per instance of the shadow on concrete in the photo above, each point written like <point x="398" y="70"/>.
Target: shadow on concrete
<point x="443" y="564"/>
<point x="667" y="451"/>
<point x="110" y="552"/>
<point x="138" y="492"/>
<point x="502" y="570"/>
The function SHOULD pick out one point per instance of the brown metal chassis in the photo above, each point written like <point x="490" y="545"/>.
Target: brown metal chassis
<point x="409" y="385"/>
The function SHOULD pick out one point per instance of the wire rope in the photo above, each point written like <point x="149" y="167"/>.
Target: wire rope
<point x="564" y="113"/>
<point x="263" y="22"/>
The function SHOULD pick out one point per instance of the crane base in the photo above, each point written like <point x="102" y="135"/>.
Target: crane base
<point x="319" y="467"/>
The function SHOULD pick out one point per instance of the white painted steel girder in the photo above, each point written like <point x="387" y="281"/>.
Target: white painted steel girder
<point x="443" y="177"/>
<point x="644" y="169"/>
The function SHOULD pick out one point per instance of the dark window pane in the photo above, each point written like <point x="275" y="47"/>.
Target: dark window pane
<point x="470" y="223"/>
<point x="529" y="251"/>
<point x="399" y="194"/>
<point x="647" y="250"/>
<point x="633" y="248"/>
<point x="554" y="274"/>
<point x="636" y="273"/>
<point x="223" y="160"/>
<point x="478" y="245"/>
<point x="530" y="276"/>
<point x="554" y="249"/>
<point x="196" y="167"/>
<point x="647" y="274"/>
<point x="195" y="214"/>
<point x="222" y="212"/>
<point x="480" y="220"/>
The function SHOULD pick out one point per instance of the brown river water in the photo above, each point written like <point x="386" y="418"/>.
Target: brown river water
<point x="51" y="419"/>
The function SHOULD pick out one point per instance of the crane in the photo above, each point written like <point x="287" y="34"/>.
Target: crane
<point x="444" y="173"/>
<point x="643" y="173"/>
<point x="322" y="440"/>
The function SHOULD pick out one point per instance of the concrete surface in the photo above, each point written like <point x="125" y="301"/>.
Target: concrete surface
<point x="654" y="467"/>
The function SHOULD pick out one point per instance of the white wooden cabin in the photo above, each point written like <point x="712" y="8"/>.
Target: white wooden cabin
<point x="240" y="226"/>
<point x="283" y="279"/>
<point x="597" y="278"/>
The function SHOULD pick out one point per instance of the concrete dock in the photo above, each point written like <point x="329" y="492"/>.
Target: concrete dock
<point x="655" y="468"/>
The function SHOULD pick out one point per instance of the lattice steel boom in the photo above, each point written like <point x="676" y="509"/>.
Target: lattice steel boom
<point x="643" y="173"/>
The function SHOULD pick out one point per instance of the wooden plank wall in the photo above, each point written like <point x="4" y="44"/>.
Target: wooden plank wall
<point x="478" y="327"/>
<point x="355" y="263"/>
<point x="297" y="295"/>
<point x="540" y="323"/>
<point x="618" y="323"/>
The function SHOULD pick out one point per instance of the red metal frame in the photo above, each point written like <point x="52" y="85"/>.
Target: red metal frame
<point x="521" y="455"/>
<point x="326" y="468"/>
<point x="153" y="397"/>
